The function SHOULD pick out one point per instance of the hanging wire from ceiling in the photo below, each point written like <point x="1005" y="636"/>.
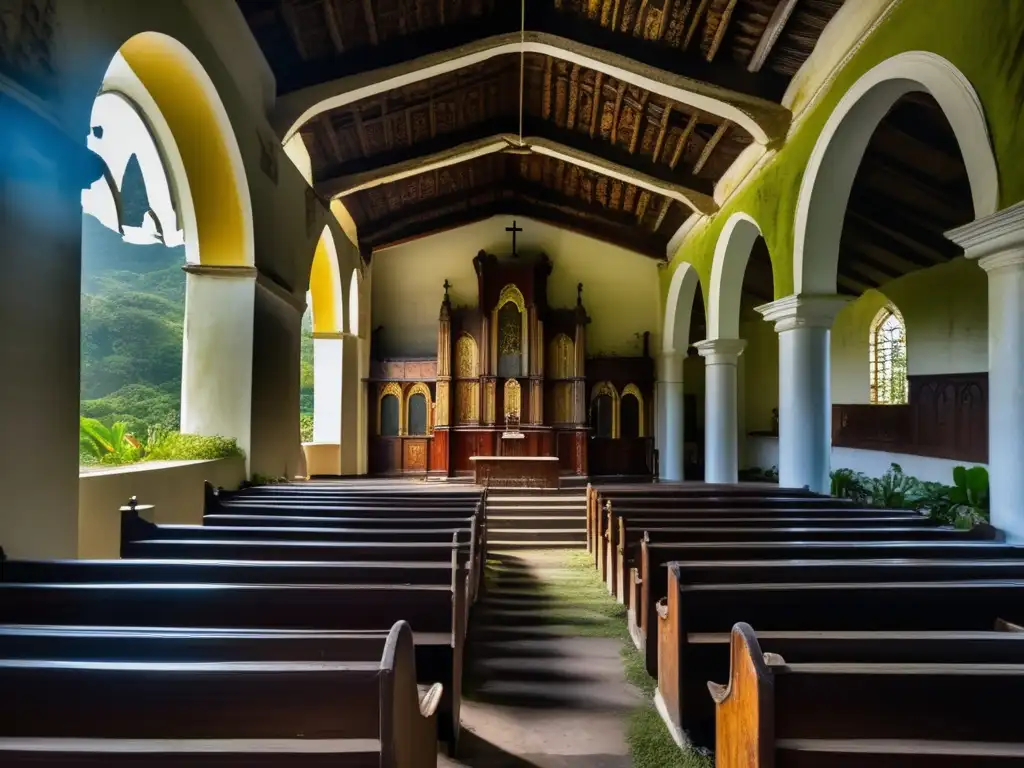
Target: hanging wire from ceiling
<point x="522" y="66"/>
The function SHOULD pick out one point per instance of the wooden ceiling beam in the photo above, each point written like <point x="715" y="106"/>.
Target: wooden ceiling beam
<point x="682" y="141"/>
<point x="640" y="124"/>
<point x="333" y="25"/>
<point x="703" y="87"/>
<point x="888" y="215"/>
<point x="597" y="102"/>
<point x="771" y="34"/>
<point x="647" y="246"/>
<point x="291" y="21"/>
<point x="371" y="22"/>
<point x="545" y="139"/>
<point x="723" y="27"/>
<point x="709" y="148"/>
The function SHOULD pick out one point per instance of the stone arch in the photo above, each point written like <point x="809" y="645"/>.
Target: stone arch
<point x="833" y="164"/>
<point x="732" y="252"/>
<point x="354" y="302"/>
<point x="325" y="287"/>
<point x="679" y="308"/>
<point x="191" y="126"/>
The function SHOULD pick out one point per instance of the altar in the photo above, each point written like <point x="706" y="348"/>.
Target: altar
<point x="516" y="471"/>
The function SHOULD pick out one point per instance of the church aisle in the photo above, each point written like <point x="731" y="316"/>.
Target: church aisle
<point x="548" y="684"/>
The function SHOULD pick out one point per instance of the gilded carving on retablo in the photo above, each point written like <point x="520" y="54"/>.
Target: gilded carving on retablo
<point x="441" y="409"/>
<point x="561" y="357"/>
<point x="467" y="402"/>
<point x="513" y="398"/>
<point x="489" y="395"/>
<point x="563" y="403"/>
<point x="466" y="358"/>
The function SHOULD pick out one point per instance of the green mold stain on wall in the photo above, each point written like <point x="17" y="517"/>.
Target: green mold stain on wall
<point x="984" y="39"/>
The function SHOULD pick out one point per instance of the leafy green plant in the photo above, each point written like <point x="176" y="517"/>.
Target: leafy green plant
<point x="258" y="479"/>
<point x="850" y="484"/>
<point x="969" y="496"/>
<point x="306" y="427"/>
<point x="107" y="445"/>
<point x="164" y="445"/>
<point x="895" y="489"/>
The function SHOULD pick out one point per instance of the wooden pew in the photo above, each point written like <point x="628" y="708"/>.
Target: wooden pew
<point x="607" y="519"/>
<point x="625" y="540"/>
<point x="362" y="523"/>
<point x="652" y="578"/>
<point x="696" y="609"/>
<point x="654" y="493"/>
<point x="946" y="713"/>
<point x="608" y="539"/>
<point x="429" y="609"/>
<point x="354" y="714"/>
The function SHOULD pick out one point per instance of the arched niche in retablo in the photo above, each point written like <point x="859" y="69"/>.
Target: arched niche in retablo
<point x="417" y="410"/>
<point x="561" y="357"/>
<point x="511" y="331"/>
<point x="631" y="412"/>
<point x="467" y="361"/>
<point x="389" y="410"/>
<point x="513" y="398"/>
<point x="604" y="410"/>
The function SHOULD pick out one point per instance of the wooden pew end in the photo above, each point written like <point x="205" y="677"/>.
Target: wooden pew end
<point x="744" y="716"/>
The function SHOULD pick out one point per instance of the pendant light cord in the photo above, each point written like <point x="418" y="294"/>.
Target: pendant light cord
<point x="522" y="66"/>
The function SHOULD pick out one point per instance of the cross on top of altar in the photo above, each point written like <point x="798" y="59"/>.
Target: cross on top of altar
<point x="514" y="229"/>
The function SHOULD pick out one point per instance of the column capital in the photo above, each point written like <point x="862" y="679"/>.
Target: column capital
<point x="996" y="241"/>
<point x="802" y="311"/>
<point x="721" y="351"/>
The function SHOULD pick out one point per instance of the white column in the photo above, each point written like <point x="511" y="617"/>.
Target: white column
<point x="805" y="397"/>
<point x="349" y="405"/>
<point x="670" y="408"/>
<point x="327" y="377"/>
<point x="216" y="368"/>
<point x="721" y="437"/>
<point x="997" y="242"/>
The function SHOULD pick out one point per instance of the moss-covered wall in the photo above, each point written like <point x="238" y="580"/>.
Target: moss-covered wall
<point x="980" y="37"/>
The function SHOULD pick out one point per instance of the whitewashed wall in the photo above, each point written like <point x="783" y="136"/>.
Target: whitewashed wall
<point x="620" y="287"/>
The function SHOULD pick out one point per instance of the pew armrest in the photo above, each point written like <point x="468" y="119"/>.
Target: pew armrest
<point x="431" y="700"/>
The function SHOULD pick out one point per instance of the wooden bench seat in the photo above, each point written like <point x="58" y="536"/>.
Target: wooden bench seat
<point x="624" y="549"/>
<point x="295" y="533"/>
<point x="696" y="609"/>
<point x="363" y="523"/>
<point x="428" y="609"/>
<point x="650" y="580"/>
<point x="227" y="572"/>
<point x="367" y="708"/>
<point x="830" y="714"/>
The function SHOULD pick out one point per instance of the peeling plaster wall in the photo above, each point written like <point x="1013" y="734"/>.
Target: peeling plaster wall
<point x="620" y="287"/>
<point x="983" y="45"/>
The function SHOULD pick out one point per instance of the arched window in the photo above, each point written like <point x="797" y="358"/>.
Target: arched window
<point x="604" y="410"/>
<point x="888" y="357"/>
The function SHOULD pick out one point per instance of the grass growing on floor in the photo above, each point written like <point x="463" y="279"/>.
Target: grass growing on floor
<point x="650" y="744"/>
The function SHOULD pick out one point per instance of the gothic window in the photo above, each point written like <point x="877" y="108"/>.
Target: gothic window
<point x="888" y="357"/>
<point x="418" y="414"/>
<point x="632" y="412"/>
<point x="389" y="415"/>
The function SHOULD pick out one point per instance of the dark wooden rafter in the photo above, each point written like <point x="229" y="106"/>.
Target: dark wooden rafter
<point x="713" y="142"/>
<point x="771" y="33"/>
<point x="291" y="22"/>
<point x="371" y="22"/>
<point x="333" y="25"/>
<point x="720" y="30"/>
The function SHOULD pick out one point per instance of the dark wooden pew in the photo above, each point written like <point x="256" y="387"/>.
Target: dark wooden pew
<point x="696" y="609"/>
<point x="355" y="714"/>
<point x="614" y="515"/>
<point x="948" y="713"/>
<point x="624" y="547"/>
<point x="430" y="609"/>
<point x="309" y="521"/>
<point x="607" y="519"/>
<point x="650" y="581"/>
<point x="683" y="493"/>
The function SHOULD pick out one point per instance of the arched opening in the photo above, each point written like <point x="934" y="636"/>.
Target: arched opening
<point x="887" y="357"/>
<point x="162" y="350"/>
<point x="418" y="414"/>
<point x="904" y="157"/>
<point x="390" y="417"/>
<point x="631" y="413"/>
<point x="322" y="348"/>
<point x="510" y="331"/>
<point x="154" y="359"/>
<point x="354" y="286"/>
<point x="604" y="411"/>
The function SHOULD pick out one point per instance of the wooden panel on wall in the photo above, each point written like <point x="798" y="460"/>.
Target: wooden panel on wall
<point x="439" y="450"/>
<point x="385" y="455"/>
<point x="946" y="417"/>
<point x="415" y="455"/>
<point x="620" y="456"/>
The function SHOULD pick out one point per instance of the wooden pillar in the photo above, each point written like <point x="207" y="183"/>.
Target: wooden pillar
<point x="443" y="396"/>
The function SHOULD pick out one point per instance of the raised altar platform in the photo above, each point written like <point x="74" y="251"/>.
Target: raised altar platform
<point x="516" y="471"/>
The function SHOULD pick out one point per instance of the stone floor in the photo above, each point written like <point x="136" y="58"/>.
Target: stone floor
<point x="539" y="692"/>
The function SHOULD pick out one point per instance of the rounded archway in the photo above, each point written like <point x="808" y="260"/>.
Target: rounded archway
<point x="728" y="270"/>
<point x="323" y="349"/>
<point x="174" y="177"/>
<point x="679" y="309"/>
<point x="836" y="158"/>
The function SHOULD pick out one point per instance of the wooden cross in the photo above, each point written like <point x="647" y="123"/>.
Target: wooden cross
<point x="513" y="229"/>
<point x="447" y="285"/>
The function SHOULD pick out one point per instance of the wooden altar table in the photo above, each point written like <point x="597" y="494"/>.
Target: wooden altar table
<point x="516" y="471"/>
